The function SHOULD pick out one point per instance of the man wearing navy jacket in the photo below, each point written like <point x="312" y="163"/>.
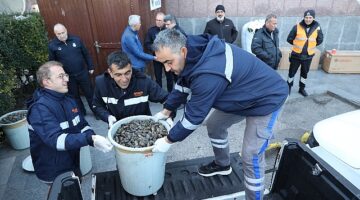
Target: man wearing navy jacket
<point x="57" y="128"/>
<point x="122" y="91"/>
<point x="219" y="75"/>
<point x="72" y="53"/>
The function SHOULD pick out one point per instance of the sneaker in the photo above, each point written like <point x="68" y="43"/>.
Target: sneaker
<point x="212" y="169"/>
<point x="303" y="92"/>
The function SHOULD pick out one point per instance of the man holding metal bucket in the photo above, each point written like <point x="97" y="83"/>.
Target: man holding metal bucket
<point x="215" y="74"/>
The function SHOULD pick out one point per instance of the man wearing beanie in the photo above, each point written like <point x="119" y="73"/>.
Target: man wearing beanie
<point x="222" y="27"/>
<point x="304" y="37"/>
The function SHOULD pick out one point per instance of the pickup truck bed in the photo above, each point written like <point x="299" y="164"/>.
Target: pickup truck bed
<point x="300" y="174"/>
<point x="181" y="182"/>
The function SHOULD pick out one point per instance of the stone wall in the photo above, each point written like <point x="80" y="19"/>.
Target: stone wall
<point x="339" y="19"/>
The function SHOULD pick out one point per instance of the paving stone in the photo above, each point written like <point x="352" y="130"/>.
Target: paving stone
<point x="6" y="165"/>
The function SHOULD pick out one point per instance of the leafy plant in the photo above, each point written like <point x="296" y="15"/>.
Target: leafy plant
<point x="23" y="48"/>
<point x="7" y="82"/>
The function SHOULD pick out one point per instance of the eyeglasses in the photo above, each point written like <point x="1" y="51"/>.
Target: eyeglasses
<point x="63" y="76"/>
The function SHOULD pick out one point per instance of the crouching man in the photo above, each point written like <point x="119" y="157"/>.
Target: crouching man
<point x="215" y="74"/>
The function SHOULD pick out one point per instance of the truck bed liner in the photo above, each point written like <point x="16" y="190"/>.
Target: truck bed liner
<point x="181" y="182"/>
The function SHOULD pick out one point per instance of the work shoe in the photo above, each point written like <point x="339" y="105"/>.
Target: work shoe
<point x="303" y="92"/>
<point x="212" y="169"/>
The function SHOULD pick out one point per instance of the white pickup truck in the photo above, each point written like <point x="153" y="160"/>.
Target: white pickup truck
<point x="328" y="167"/>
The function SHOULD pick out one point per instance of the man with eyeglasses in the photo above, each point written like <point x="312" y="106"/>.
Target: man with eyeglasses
<point x="122" y="91"/>
<point x="72" y="53"/>
<point x="57" y="127"/>
<point x="221" y="26"/>
<point x="158" y="67"/>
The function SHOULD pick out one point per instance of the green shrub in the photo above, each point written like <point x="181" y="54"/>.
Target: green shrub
<point x="7" y="82"/>
<point x="23" y="48"/>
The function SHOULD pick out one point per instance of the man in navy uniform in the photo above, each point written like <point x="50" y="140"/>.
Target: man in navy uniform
<point x="57" y="128"/>
<point x="122" y="91"/>
<point x="72" y="53"/>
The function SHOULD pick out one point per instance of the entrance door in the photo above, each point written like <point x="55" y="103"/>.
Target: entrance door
<point x="99" y="23"/>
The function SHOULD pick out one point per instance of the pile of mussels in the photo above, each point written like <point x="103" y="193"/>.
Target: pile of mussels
<point x="139" y="133"/>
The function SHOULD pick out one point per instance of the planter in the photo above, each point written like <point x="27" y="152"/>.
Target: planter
<point x="15" y="127"/>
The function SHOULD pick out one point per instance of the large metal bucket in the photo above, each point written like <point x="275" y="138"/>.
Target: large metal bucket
<point x="140" y="174"/>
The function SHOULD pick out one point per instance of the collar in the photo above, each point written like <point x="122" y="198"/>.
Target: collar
<point x="135" y="32"/>
<point x="54" y="94"/>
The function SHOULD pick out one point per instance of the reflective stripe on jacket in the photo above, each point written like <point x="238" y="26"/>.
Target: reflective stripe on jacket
<point x="301" y="39"/>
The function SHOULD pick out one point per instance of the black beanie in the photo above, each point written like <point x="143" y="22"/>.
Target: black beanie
<point x="220" y="7"/>
<point x="309" y="13"/>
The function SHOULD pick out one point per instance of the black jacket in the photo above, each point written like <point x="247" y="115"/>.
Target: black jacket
<point x="151" y="35"/>
<point x="177" y="27"/>
<point x="110" y="99"/>
<point x="265" y="48"/>
<point x="225" y="30"/>
<point x="73" y="55"/>
<point x="292" y="35"/>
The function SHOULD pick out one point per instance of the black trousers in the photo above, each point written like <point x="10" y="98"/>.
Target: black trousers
<point x="304" y="70"/>
<point x="158" y="69"/>
<point x="81" y="80"/>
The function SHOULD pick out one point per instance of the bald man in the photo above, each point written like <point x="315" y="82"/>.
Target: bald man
<point x="72" y="53"/>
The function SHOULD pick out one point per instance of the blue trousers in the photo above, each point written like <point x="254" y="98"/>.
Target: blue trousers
<point x="81" y="80"/>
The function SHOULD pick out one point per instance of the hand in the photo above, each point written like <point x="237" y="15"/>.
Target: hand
<point x="91" y="71"/>
<point x="161" y="145"/>
<point x="101" y="143"/>
<point x="160" y="116"/>
<point x="111" y="120"/>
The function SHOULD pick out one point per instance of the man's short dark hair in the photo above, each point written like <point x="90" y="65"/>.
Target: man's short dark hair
<point x="170" y="18"/>
<point x="118" y="58"/>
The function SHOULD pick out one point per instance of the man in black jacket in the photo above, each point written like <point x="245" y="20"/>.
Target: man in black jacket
<point x="304" y="37"/>
<point x="122" y="92"/>
<point x="265" y="43"/>
<point x="172" y="23"/>
<point x="221" y="26"/>
<point x="72" y="53"/>
<point x="158" y="66"/>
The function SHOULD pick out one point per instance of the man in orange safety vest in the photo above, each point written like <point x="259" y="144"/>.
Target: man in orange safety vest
<point x="304" y="37"/>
